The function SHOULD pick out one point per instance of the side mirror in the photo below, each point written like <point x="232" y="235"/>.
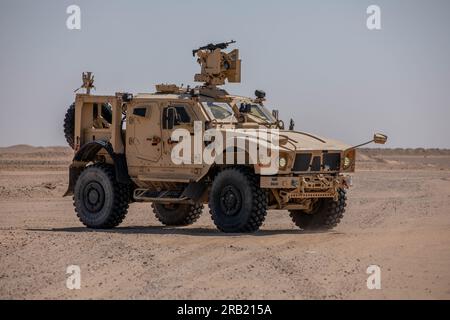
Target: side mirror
<point x="379" y="138"/>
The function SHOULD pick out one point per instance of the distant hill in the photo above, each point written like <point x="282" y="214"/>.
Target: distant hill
<point x="405" y="151"/>
<point x="26" y="157"/>
<point x="25" y="148"/>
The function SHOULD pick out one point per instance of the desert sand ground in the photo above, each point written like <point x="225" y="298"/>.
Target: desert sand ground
<point x="398" y="218"/>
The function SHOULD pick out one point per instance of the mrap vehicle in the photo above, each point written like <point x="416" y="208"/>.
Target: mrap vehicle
<point x="123" y="146"/>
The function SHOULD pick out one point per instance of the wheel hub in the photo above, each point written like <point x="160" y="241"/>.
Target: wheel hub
<point x="94" y="196"/>
<point x="230" y="200"/>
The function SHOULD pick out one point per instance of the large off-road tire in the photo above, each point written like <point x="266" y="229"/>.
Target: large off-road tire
<point x="69" y="125"/>
<point x="236" y="202"/>
<point x="326" y="214"/>
<point x="100" y="201"/>
<point x="177" y="214"/>
<point x="69" y="121"/>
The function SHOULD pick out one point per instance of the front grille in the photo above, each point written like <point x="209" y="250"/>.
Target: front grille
<point x="332" y="161"/>
<point x="302" y="161"/>
<point x="328" y="162"/>
<point x="315" y="164"/>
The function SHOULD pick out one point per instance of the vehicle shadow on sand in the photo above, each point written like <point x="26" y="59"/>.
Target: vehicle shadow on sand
<point x="189" y="231"/>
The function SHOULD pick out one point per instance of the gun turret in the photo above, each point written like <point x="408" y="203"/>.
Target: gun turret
<point x="212" y="47"/>
<point x="216" y="65"/>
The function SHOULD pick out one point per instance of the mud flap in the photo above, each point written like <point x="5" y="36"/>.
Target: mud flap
<point x="74" y="172"/>
<point x="195" y="190"/>
<point x="121" y="168"/>
<point x="87" y="153"/>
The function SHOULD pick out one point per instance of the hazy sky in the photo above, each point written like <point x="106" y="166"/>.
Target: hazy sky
<point x="316" y="60"/>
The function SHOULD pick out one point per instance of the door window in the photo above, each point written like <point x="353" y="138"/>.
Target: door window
<point x="179" y="114"/>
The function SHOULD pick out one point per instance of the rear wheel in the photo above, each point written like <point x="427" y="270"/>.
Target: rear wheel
<point x="236" y="201"/>
<point x="100" y="201"/>
<point x="326" y="214"/>
<point x="177" y="214"/>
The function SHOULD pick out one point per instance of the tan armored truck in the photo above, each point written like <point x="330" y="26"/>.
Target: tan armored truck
<point x="127" y="149"/>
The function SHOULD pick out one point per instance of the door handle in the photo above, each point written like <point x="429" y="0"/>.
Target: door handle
<point x="170" y="141"/>
<point x="155" y="140"/>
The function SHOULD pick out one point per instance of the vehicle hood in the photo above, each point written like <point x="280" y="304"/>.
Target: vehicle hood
<point x="293" y="140"/>
<point x="302" y="141"/>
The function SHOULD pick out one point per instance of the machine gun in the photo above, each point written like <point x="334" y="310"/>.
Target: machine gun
<point x="212" y="47"/>
<point x="88" y="82"/>
<point x="217" y="65"/>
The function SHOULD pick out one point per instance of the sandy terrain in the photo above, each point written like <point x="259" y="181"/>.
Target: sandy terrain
<point x="398" y="218"/>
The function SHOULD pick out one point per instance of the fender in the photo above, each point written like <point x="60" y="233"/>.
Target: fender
<point x="87" y="153"/>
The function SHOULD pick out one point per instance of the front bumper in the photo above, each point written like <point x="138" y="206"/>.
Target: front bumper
<point x="306" y="186"/>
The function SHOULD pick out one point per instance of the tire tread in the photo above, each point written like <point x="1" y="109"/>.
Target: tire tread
<point x="120" y="202"/>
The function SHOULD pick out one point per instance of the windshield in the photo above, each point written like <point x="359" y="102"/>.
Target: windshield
<point x="223" y="111"/>
<point x="219" y="110"/>
<point x="257" y="111"/>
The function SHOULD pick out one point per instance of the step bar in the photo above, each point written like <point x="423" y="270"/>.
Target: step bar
<point x="146" y="195"/>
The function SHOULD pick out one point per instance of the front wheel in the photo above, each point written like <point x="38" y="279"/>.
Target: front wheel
<point x="100" y="201"/>
<point x="236" y="201"/>
<point x="326" y="213"/>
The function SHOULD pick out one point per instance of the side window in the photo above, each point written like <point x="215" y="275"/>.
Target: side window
<point x="142" y="111"/>
<point x="180" y="116"/>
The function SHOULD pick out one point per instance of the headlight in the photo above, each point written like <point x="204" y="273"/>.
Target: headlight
<point x="282" y="162"/>
<point x="347" y="162"/>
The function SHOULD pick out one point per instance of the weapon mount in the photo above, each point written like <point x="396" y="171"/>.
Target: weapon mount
<point x="216" y="65"/>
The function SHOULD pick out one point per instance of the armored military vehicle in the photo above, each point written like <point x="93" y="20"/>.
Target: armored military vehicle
<point x="124" y="146"/>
